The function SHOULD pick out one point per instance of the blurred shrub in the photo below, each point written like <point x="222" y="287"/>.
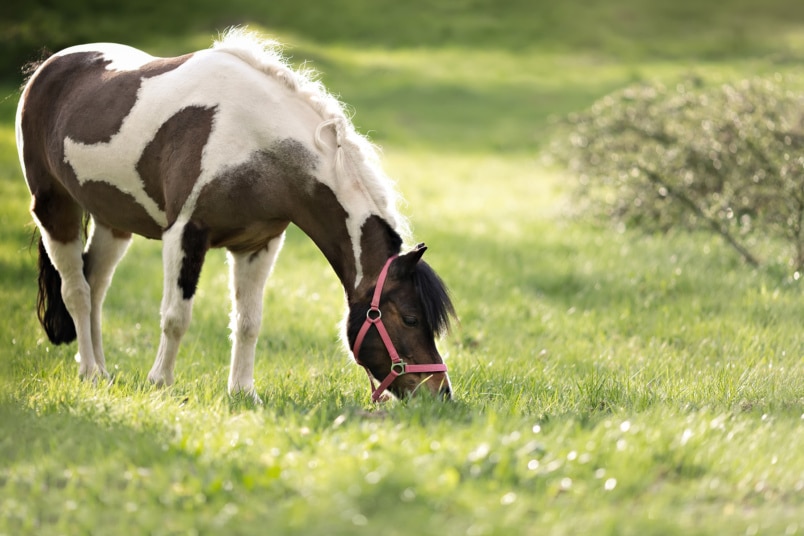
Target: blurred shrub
<point x="727" y="158"/>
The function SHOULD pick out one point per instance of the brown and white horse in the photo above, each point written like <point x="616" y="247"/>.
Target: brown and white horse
<point x="219" y="148"/>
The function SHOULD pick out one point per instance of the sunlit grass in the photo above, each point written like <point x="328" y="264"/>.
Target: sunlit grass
<point x="609" y="375"/>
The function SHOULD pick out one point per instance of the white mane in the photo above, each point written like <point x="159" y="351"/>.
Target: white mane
<point x="355" y="157"/>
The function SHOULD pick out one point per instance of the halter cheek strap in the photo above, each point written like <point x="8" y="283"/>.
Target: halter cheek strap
<point x="374" y="318"/>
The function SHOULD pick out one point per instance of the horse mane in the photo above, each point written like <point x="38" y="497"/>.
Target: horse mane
<point x="356" y="159"/>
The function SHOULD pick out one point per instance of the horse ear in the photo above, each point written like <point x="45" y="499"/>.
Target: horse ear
<point x="407" y="262"/>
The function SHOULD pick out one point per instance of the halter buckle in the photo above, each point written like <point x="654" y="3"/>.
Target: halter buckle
<point x="399" y="367"/>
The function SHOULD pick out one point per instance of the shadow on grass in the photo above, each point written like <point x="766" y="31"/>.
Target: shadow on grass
<point x="28" y="436"/>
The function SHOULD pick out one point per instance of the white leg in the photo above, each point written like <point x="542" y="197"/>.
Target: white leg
<point x="248" y="273"/>
<point x="177" y="298"/>
<point x="66" y="257"/>
<point x="103" y="254"/>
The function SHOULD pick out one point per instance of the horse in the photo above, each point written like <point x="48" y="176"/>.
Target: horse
<point x="219" y="148"/>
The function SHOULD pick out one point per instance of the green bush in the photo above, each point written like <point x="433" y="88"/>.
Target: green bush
<point x="727" y="158"/>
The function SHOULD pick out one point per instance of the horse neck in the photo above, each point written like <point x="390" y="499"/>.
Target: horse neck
<point x="356" y="250"/>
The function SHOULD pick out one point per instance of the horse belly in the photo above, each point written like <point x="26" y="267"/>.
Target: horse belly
<point x="117" y="209"/>
<point x="252" y="237"/>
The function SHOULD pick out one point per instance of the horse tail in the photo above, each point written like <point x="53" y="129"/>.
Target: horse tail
<point x="50" y="307"/>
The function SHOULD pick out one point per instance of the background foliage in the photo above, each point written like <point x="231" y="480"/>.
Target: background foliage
<point x="629" y="29"/>
<point x="729" y="158"/>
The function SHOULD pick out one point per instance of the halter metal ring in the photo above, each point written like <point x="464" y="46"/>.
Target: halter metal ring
<point x="376" y="318"/>
<point x="398" y="367"/>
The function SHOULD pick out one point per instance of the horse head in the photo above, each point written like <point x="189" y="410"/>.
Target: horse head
<point x="393" y="324"/>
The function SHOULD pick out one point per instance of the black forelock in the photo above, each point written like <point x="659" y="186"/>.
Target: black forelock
<point x="434" y="298"/>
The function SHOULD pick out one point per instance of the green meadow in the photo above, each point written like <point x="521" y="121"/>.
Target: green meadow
<point x="606" y="381"/>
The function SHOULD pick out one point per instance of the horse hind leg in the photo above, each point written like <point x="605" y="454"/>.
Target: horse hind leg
<point x="184" y="247"/>
<point x="248" y="273"/>
<point x="59" y="220"/>
<point x="51" y="311"/>
<point x="105" y="250"/>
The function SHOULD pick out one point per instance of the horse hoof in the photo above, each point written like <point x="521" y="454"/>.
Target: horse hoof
<point x="247" y="394"/>
<point x="160" y="380"/>
<point x="97" y="377"/>
<point x="93" y="373"/>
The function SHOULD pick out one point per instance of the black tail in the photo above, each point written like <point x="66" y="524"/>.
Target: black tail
<point x="50" y="308"/>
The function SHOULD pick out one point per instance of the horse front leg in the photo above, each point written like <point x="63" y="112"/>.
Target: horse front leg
<point x="183" y="251"/>
<point x="248" y="273"/>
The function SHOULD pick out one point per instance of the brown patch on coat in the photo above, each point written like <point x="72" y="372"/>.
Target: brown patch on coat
<point x="378" y="241"/>
<point x="293" y="156"/>
<point x="163" y="65"/>
<point x="123" y="235"/>
<point x="118" y="210"/>
<point x="250" y="204"/>
<point x="246" y="206"/>
<point x="58" y="213"/>
<point x="171" y="163"/>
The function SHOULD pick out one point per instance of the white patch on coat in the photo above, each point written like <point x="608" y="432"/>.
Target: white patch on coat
<point x="258" y="100"/>
<point x="121" y="57"/>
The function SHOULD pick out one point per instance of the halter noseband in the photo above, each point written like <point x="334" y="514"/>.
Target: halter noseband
<point x="374" y="318"/>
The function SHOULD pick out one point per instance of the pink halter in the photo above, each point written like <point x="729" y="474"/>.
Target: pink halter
<point x="374" y="318"/>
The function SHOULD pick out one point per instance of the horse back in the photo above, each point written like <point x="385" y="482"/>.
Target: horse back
<point x="135" y="139"/>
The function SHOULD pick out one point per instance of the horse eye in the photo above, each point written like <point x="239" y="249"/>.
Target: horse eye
<point x="410" y="321"/>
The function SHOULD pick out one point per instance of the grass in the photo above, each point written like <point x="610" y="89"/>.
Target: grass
<point x="606" y="382"/>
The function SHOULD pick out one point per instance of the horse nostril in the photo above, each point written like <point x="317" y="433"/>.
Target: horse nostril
<point x="446" y="392"/>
